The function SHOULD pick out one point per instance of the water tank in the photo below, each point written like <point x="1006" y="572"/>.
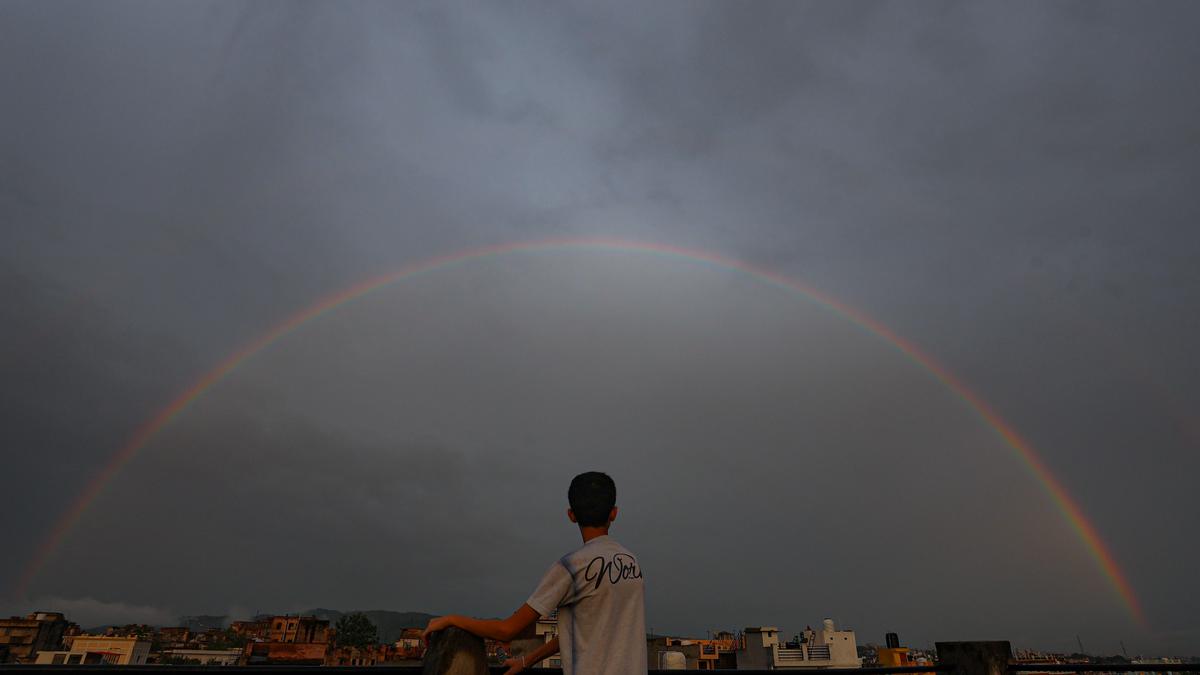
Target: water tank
<point x="892" y="640"/>
<point x="828" y="625"/>
<point x="672" y="661"/>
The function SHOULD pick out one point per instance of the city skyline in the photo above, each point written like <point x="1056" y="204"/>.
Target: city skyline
<point x="224" y="637"/>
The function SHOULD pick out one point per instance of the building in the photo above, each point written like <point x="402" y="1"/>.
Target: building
<point x="1157" y="661"/>
<point x="286" y="653"/>
<point x="292" y="640"/>
<point x="697" y="654"/>
<point x="895" y="655"/>
<point x="301" y="629"/>
<point x="827" y="648"/>
<point x="201" y="657"/>
<point x="142" y="630"/>
<point x="546" y="628"/>
<point x="97" y="650"/>
<point x="410" y="642"/>
<point x="214" y="638"/>
<point x="251" y="630"/>
<point x="371" y="655"/>
<point x="174" y="635"/>
<point x="21" y="638"/>
<point x="409" y="647"/>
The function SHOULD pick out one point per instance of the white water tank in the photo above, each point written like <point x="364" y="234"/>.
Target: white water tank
<point x="828" y="625"/>
<point x="672" y="661"/>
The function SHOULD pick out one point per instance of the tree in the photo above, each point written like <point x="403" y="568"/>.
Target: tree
<point x="355" y="630"/>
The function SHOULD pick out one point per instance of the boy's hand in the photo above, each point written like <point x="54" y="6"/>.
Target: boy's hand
<point x="436" y="624"/>
<point x="515" y="665"/>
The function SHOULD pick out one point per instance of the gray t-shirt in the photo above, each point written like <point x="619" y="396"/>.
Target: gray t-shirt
<point x="597" y="590"/>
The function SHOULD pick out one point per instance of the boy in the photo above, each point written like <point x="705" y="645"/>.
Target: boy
<point x="597" y="590"/>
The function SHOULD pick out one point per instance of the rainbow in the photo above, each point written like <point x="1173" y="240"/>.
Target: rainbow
<point x="1070" y="510"/>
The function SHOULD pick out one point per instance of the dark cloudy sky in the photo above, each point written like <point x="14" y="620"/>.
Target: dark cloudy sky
<point x="1012" y="187"/>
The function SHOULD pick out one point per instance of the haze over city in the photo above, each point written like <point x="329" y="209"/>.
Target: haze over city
<point x="877" y="311"/>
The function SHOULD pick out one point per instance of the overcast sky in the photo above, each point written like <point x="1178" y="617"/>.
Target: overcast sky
<point x="1011" y="187"/>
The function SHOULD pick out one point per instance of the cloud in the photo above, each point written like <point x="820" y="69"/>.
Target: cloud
<point x="89" y="612"/>
<point x="1010" y="189"/>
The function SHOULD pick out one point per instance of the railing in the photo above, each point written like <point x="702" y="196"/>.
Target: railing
<point x="155" y="669"/>
<point x="791" y="655"/>
<point x="818" y="652"/>
<point x="975" y="662"/>
<point x="416" y="670"/>
<point x="1103" y="667"/>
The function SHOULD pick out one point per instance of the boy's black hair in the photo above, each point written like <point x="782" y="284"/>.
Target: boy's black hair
<point x="592" y="496"/>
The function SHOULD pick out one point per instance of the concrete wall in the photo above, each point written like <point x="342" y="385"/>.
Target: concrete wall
<point x="224" y="657"/>
<point x="131" y="651"/>
<point x="758" y="653"/>
<point x="975" y="658"/>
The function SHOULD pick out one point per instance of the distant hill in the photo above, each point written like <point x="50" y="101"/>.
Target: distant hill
<point x="388" y="622"/>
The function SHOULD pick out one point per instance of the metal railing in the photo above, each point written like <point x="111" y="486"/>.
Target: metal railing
<point x="1015" y="668"/>
<point x="157" y="669"/>
<point x="1103" y="667"/>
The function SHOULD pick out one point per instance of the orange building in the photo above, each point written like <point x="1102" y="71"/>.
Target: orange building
<point x="298" y="629"/>
<point x="409" y="646"/>
<point x="291" y="640"/>
<point x="895" y="655"/>
<point x="699" y="654"/>
<point x="286" y="653"/>
<point x="251" y="629"/>
<point x="22" y="638"/>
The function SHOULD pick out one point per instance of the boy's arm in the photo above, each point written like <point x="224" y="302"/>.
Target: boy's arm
<point x="526" y="661"/>
<point x="503" y="630"/>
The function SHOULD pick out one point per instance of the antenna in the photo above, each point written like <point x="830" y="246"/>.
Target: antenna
<point x="1080" y="643"/>
<point x="1123" y="650"/>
